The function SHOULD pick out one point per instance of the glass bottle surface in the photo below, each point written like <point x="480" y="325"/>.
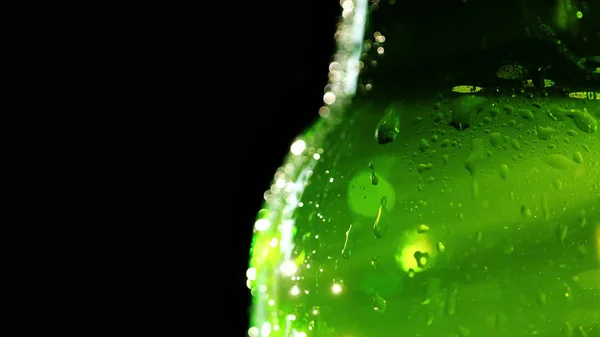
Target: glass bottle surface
<point x="455" y="193"/>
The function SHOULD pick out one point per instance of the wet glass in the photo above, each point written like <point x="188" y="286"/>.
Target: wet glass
<point x="451" y="186"/>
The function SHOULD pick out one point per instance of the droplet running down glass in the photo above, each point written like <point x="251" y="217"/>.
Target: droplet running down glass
<point x="451" y="185"/>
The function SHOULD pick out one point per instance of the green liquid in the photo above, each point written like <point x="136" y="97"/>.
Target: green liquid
<point x="438" y="214"/>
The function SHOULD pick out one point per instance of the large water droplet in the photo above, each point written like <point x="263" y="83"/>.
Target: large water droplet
<point x="388" y="128"/>
<point x="559" y="161"/>
<point x="583" y="120"/>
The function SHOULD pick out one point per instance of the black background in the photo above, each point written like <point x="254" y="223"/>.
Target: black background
<point x="137" y="141"/>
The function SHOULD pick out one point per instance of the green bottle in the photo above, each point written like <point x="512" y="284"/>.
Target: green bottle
<point x="425" y="205"/>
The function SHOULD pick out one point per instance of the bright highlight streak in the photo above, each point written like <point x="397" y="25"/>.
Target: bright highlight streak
<point x="358" y="24"/>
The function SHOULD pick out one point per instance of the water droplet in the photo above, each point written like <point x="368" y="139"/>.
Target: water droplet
<point x="545" y="207"/>
<point x="445" y="159"/>
<point x="508" y="249"/>
<point x="504" y="171"/>
<point x="525" y="212"/>
<point x="463" y="331"/>
<point x="578" y="158"/>
<point x="496" y="139"/>
<point x="583" y="120"/>
<point x="558" y="184"/>
<point x="451" y="301"/>
<point x="387" y="129"/>
<point x="581" y="332"/>
<point x="572" y="133"/>
<point x="463" y="110"/>
<point x="567" y="330"/>
<point x="542" y="298"/>
<point x="348" y="243"/>
<point x="411" y="273"/>
<point x="545" y="133"/>
<point x="375" y="262"/>
<point x="423" y="229"/>
<point x="423" y="145"/>
<point x="380" y="224"/>
<point x="581" y="218"/>
<point x="440" y="247"/>
<point x="422" y="259"/>
<point x="515" y="144"/>
<point x="424" y="167"/>
<point x="499" y="320"/>
<point x="475" y="155"/>
<point x="526" y="114"/>
<point x="559" y="161"/>
<point x="562" y="234"/>
<point x="379" y="304"/>
<point x="494" y="112"/>
<point x="478" y="237"/>
<point x="374" y="178"/>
